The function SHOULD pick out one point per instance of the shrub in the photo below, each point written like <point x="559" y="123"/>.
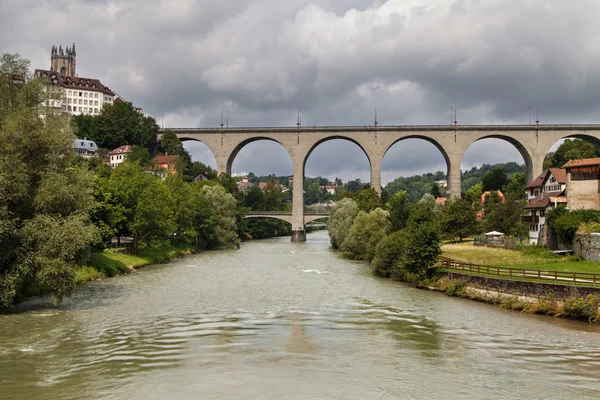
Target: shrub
<point x="582" y="307"/>
<point x="455" y="287"/>
<point x="547" y="306"/>
<point x="388" y="255"/>
<point x="365" y="234"/>
<point x="513" y="303"/>
<point x="341" y="220"/>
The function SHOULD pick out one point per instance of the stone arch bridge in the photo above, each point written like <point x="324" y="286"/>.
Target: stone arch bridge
<point x="288" y="216"/>
<point x="532" y="141"/>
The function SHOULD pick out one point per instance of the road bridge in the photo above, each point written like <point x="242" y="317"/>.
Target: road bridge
<point x="288" y="216"/>
<point x="532" y="141"/>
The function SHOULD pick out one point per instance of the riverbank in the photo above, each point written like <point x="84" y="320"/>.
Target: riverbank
<point x="529" y="297"/>
<point x="109" y="263"/>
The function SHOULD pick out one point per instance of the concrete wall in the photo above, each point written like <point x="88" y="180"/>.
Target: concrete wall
<point x="533" y="289"/>
<point x="583" y="194"/>
<point x="587" y="245"/>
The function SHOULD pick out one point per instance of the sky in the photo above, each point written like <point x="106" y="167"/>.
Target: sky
<point x="185" y="62"/>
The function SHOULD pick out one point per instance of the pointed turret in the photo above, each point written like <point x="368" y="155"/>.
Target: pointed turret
<point x="74" y="53"/>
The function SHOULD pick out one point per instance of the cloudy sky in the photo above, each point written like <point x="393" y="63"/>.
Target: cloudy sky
<point x="337" y="60"/>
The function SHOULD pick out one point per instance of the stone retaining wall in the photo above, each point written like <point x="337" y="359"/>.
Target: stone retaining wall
<point x="587" y="245"/>
<point x="533" y="289"/>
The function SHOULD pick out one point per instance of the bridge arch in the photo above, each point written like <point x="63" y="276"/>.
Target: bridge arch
<point x="186" y="140"/>
<point x="531" y="166"/>
<point x="236" y="150"/>
<point x="573" y="135"/>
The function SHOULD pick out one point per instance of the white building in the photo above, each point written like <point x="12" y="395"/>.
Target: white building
<point x="117" y="156"/>
<point x="76" y="95"/>
<point x="544" y="193"/>
<point x="85" y="148"/>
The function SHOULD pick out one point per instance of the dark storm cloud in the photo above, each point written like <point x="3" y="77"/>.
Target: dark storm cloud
<point x="336" y="59"/>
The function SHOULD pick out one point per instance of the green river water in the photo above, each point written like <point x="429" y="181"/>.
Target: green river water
<point x="281" y="320"/>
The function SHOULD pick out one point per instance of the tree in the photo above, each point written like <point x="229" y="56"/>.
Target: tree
<point x="154" y="223"/>
<point x="399" y="211"/>
<point x="459" y="219"/>
<point x="494" y="180"/>
<point x="273" y="195"/>
<point x="223" y="207"/>
<point x="424" y="244"/>
<point x="365" y="234"/>
<point x="504" y="215"/>
<point x="141" y="155"/>
<point x="341" y="220"/>
<point x="515" y="187"/>
<point x="45" y="232"/>
<point x="389" y="255"/>
<point x="473" y="195"/>
<point x="367" y="199"/>
<point x="435" y="190"/>
<point x="570" y="149"/>
<point x="354" y="186"/>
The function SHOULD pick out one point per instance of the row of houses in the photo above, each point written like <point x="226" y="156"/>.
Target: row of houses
<point x="576" y="185"/>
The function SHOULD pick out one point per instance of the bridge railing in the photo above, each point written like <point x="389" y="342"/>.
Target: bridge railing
<point x="541" y="127"/>
<point x="525" y="274"/>
<point x="324" y="213"/>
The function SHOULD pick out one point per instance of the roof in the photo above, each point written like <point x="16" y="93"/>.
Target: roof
<point x="537" y="182"/>
<point x="441" y="201"/>
<point x="489" y="192"/>
<point x="120" y="150"/>
<point x="586" y="162"/>
<point x="84" y="144"/>
<point x="75" y="82"/>
<point x="543" y="200"/>
<point x="165" y="159"/>
<point x="560" y="174"/>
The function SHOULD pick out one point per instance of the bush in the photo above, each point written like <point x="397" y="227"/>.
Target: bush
<point x="582" y="307"/>
<point x="365" y="234"/>
<point x="388" y="256"/>
<point x="455" y="287"/>
<point x="341" y="220"/>
<point x="547" y="306"/>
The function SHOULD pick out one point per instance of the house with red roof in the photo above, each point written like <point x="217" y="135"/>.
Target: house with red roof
<point x="583" y="184"/>
<point x="167" y="164"/>
<point x="118" y="155"/>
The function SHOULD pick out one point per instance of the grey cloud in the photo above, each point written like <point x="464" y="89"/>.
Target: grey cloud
<point x="335" y="59"/>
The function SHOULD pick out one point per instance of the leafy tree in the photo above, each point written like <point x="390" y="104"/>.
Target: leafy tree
<point x="399" y="211"/>
<point x="515" y="187"/>
<point x="154" y="223"/>
<point x="494" y="180"/>
<point x="354" y="186"/>
<point x="504" y="215"/>
<point x="45" y="232"/>
<point x="473" y="195"/>
<point x="141" y="155"/>
<point x="254" y="199"/>
<point x="566" y="223"/>
<point x="389" y="255"/>
<point x="424" y="244"/>
<point x="435" y="190"/>
<point x="571" y="149"/>
<point x="341" y="220"/>
<point x="273" y="196"/>
<point x="367" y="199"/>
<point x="458" y="219"/>
<point x="365" y="234"/>
<point x="223" y="208"/>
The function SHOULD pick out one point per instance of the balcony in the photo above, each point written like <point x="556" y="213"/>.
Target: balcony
<point x="530" y="219"/>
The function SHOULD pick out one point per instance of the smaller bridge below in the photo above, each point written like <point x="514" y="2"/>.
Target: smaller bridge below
<point x="287" y="215"/>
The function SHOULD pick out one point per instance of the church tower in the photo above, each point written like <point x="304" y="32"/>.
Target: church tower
<point x="63" y="61"/>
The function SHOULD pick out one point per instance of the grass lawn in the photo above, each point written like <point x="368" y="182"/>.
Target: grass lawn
<point x="529" y="257"/>
<point x="111" y="263"/>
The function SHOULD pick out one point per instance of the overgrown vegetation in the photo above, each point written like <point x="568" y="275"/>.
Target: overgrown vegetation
<point x="565" y="223"/>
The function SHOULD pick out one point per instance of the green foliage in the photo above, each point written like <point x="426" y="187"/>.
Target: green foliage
<point x="458" y="219"/>
<point x="223" y="216"/>
<point x="45" y="232"/>
<point x="424" y="245"/>
<point x="365" y="234"/>
<point x="399" y="210"/>
<point x="416" y="186"/>
<point x="495" y="179"/>
<point x="367" y="199"/>
<point x="582" y="307"/>
<point x="454" y="287"/>
<point x="474" y="175"/>
<point x="154" y="222"/>
<point x="389" y="254"/>
<point x="565" y="223"/>
<point x="473" y="195"/>
<point x="504" y="215"/>
<point x="341" y="220"/>
<point x="435" y="190"/>
<point x="116" y="125"/>
<point x="571" y="149"/>
<point x="515" y="187"/>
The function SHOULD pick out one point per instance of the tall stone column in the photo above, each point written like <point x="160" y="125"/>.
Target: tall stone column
<point x="376" y="174"/>
<point x="222" y="164"/>
<point x="454" y="181"/>
<point x="298" y="232"/>
<point x="537" y="167"/>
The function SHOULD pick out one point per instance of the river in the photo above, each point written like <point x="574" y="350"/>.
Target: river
<point x="282" y="320"/>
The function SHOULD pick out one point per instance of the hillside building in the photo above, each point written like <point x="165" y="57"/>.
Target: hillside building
<point x="583" y="184"/>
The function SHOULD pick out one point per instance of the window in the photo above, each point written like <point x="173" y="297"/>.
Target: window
<point x="69" y="108"/>
<point x="79" y="107"/>
<point x="96" y="110"/>
<point x="96" y="96"/>
<point x="69" y="92"/>
<point x="96" y="102"/>
<point x="85" y="94"/>
<point x="85" y="102"/>
<point x="79" y="94"/>
<point x="85" y="109"/>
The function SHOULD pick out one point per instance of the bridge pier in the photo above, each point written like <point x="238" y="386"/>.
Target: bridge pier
<point x="299" y="235"/>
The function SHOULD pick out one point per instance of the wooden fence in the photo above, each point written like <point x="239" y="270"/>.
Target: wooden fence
<point x="560" y="277"/>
